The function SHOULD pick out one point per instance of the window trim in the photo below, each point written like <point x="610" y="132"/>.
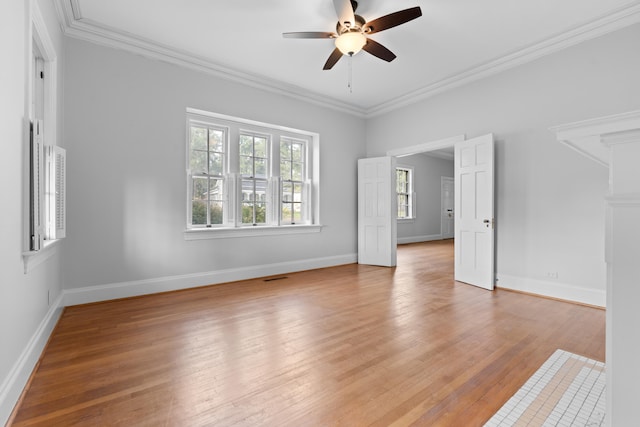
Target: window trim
<point x="38" y="35"/>
<point x="412" y="195"/>
<point x="234" y="227"/>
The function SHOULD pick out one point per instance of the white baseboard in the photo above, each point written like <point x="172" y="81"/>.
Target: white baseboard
<point x="15" y="382"/>
<point x="173" y="283"/>
<point x="417" y="239"/>
<point x="553" y="289"/>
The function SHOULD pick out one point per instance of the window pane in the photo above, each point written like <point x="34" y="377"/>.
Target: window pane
<point x="296" y="171"/>
<point x="260" y="147"/>
<point x="246" y="145"/>
<point x="297" y="212"/>
<point x="200" y="188"/>
<point x="285" y="151"/>
<point x="286" y="212"/>
<point x="216" y="189"/>
<point x="287" y="189"/>
<point x="198" y="138"/>
<point x="261" y="213"/>
<point x="247" y="213"/>
<point x="215" y="164"/>
<point x="261" y="190"/>
<point x="216" y="140"/>
<point x="247" y="190"/>
<point x="297" y="192"/>
<point x="198" y="162"/>
<point x="215" y="209"/>
<point x="296" y="152"/>
<point x="260" y="168"/>
<point x="198" y="212"/>
<point x="285" y="170"/>
<point x="246" y="166"/>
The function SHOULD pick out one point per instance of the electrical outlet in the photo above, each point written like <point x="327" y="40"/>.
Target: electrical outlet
<point x="48" y="297"/>
<point x="552" y="275"/>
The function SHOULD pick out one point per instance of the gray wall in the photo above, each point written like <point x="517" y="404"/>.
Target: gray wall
<point x="427" y="172"/>
<point x="550" y="209"/>
<point x="125" y="132"/>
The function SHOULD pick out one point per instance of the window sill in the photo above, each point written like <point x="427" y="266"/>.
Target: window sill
<point x="228" y="232"/>
<point x="32" y="259"/>
<point x="405" y="220"/>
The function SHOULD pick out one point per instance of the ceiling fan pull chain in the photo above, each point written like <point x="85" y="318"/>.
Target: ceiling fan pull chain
<point x="350" y="81"/>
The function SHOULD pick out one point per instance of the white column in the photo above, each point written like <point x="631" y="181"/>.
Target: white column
<point x="614" y="142"/>
<point x="623" y="278"/>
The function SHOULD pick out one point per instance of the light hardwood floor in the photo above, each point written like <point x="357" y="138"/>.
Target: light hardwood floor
<point x="350" y="345"/>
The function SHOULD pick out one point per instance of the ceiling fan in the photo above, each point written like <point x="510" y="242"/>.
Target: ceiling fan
<point x="352" y="31"/>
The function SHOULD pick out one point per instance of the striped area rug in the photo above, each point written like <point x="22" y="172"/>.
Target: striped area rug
<point x="567" y="390"/>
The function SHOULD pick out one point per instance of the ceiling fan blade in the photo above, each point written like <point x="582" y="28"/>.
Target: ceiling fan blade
<point x="309" y="35"/>
<point x="392" y="20"/>
<point x="376" y="49"/>
<point x="333" y="58"/>
<point x="344" y="9"/>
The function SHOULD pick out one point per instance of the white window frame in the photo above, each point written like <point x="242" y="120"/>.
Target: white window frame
<point x="45" y="162"/>
<point x="303" y="182"/>
<point x="232" y="225"/>
<point x="411" y="194"/>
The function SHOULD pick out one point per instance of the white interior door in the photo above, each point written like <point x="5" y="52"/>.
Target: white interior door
<point x="447" y="191"/>
<point x="473" y="208"/>
<point x="377" y="228"/>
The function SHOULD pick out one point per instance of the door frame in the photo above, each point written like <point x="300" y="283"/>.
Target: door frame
<point x="426" y="147"/>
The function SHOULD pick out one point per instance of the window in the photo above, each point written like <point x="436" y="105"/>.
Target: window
<point x="47" y="161"/>
<point x="292" y="172"/>
<point x="404" y="190"/>
<point x="206" y="162"/>
<point x="254" y="165"/>
<point x="244" y="175"/>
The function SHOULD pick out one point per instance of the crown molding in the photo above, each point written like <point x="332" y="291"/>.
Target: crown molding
<point x="620" y="18"/>
<point x="74" y="25"/>
<point x="593" y="138"/>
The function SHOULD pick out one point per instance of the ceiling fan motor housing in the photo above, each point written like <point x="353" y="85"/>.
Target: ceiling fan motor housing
<point x="358" y="26"/>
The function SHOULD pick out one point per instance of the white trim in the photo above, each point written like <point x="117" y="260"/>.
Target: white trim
<point x="32" y="259"/>
<point x="111" y="291"/>
<point x="592" y="137"/>
<point x="425" y="147"/>
<point x="15" y="382"/>
<point x="627" y="200"/>
<point x="74" y="25"/>
<point x="558" y="290"/>
<point x="417" y="239"/>
<point x="248" y="231"/>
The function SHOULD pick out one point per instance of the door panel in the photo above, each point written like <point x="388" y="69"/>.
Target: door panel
<point x="377" y="229"/>
<point x="474" y="201"/>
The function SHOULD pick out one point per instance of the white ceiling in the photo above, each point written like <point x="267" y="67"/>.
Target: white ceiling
<point x="455" y="41"/>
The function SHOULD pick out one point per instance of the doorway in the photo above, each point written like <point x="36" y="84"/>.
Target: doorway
<point x="473" y="211"/>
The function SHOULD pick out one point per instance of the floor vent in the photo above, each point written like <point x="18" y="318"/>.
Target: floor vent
<point x="271" y="279"/>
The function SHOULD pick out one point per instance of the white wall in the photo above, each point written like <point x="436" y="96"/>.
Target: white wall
<point x="125" y="132"/>
<point x="550" y="210"/>
<point x="427" y="184"/>
<point x="24" y="305"/>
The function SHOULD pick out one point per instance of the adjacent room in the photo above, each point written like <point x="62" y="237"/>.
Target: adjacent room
<point x="191" y="236"/>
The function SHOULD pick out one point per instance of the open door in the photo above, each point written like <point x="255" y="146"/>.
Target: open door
<point x="377" y="227"/>
<point x="474" y="218"/>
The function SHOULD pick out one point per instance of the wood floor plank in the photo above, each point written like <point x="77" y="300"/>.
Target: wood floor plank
<point x="349" y="345"/>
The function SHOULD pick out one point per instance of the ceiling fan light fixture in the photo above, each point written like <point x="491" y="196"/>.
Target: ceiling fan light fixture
<point x="351" y="42"/>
